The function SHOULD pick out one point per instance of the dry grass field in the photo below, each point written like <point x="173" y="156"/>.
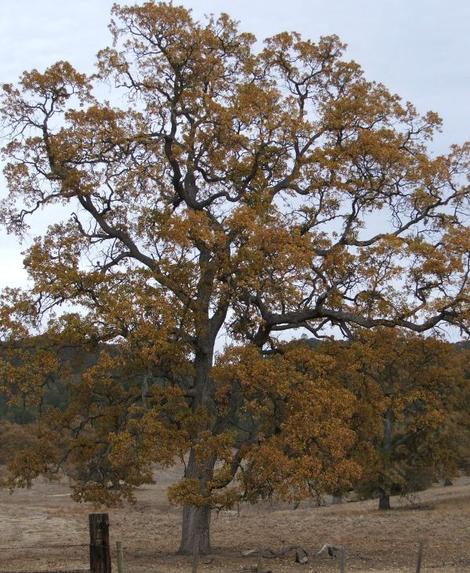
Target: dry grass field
<point x="32" y="520"/>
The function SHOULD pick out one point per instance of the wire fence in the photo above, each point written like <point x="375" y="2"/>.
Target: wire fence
<point x="94" y="556"/>
<point x="50" y="558"/>
<point x="100" y="556"/>
<point x="43" y="546"/>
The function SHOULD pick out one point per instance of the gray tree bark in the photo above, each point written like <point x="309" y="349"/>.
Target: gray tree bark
<point x="195" y="534"/>
<point x="384" y="500"/>
<point x="384" y="493"/>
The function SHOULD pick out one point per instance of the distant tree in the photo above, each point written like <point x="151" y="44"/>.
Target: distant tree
<point x="225" y="190"/>
<point x="15" y="438"/>
<point x="26" y="372"/>
<point x="411" y="404"/>
<point x="460" y="420"/>
<point x="36" y="371"/>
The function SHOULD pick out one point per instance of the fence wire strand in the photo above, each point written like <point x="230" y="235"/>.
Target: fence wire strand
<point x="44" y="546"/>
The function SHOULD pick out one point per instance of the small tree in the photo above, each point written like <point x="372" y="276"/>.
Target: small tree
<point x="411" y="397"/>
<point x="224" y="190"/>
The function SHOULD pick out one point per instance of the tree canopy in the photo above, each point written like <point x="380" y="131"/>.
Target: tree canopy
<point x="412" y="401"/>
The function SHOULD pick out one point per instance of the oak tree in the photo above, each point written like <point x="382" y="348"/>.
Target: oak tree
<point x="412" y="397"/>
<point x="226" y="190"/>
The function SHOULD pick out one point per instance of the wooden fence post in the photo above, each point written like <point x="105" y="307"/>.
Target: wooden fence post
<point x="342" y="560"/>
<point x="259" y="564"/>
<point x="100" y="555"/>
<point x="419" y="560"/>
<point x="120" y="557"/>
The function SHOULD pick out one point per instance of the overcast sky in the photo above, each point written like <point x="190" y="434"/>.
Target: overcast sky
<point x="419" y="48"/>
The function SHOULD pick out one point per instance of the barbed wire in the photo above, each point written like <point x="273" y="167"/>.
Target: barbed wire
<point x="49" y="571"/>
<point x="45" y="546"/>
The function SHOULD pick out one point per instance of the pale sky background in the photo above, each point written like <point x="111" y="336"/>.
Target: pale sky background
<point x="419" y="49"/>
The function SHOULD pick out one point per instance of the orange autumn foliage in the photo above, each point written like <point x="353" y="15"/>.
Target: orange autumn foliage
<point x="412" y="395"/>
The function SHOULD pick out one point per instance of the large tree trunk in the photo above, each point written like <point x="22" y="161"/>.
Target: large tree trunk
<point x="195" y="534"/>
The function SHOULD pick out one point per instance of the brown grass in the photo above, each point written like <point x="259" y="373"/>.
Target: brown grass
<point x="375" y="541"/>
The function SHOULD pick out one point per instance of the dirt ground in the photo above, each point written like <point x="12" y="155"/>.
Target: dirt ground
<point x="41" y="528"/>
